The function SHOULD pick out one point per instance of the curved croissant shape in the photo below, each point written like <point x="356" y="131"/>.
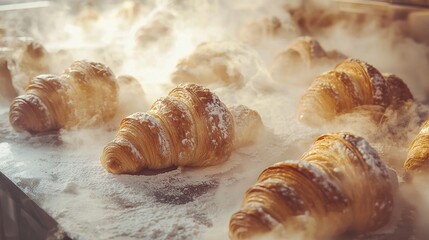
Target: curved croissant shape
<point x="353" y="84"/>
<point x="210" y="63"/>
<point x="339" y="185"/>
<point x="301" y="55"/>
<point x="189" y="127"/>
<point x="308" y="50"/>
<point x="84" y="95"/>
<point x="418" y="152"/>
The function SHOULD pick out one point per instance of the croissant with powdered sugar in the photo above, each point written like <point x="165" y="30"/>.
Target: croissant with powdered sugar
<point x="340" y="185"/>
<point x="86" y="94"/>
<point x="189" y="127"/>
<point x="352" y="85"/>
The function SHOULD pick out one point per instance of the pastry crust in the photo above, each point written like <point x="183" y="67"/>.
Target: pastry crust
<point x="189" y="127"/>
<point x="352" y="85"/>
<point x="418" y="152"/>
<point x="302" y="55"/>
<point x="339" y="185"/>
<point x="84" y="95"/>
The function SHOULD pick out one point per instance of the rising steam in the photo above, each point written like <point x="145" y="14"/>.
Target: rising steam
<point x="146" y="40"/>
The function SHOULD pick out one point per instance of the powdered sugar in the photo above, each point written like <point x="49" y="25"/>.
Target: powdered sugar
<point x="219" y="119"/>
<point x="372" y="160"/>
<point x="37" y="102"/>
<point x="379" y="84"/>
<point x="153" y="123"/>
<point x="134" y="151"/>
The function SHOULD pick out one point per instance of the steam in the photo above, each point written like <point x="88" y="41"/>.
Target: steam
<point x="71" y="176"/>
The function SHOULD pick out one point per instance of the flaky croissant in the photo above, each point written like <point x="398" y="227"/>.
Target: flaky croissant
<point x="85" y="94"/>
<point x="339" y="185"/>
<point x="189" y="127"/>
<point x="418" y="152"/>
<point x="353" y="84"/>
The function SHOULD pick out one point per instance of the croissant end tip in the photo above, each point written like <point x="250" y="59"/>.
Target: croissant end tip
<point x="28" y="113"/>
<point x="114" y="159"/>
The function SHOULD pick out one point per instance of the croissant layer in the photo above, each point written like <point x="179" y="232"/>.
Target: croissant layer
<point x="84" y="95"/>
<point x="189" y="127"/>
<point x="340" y="184"/>
<point x="352" y="85"/>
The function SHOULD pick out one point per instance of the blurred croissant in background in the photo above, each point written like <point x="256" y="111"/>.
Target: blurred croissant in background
<point x="340" y="185"/>
<point x="211" y="63"/>
<point x="189" y="127"/>
<point x="270" y="27"/>
<point x="353" y="85"/>
<point x="302" y="56"/>
<point x="20" y="60"/>
<point x="86" y="94"/>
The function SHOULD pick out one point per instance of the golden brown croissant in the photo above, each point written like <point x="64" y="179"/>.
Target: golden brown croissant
<point x="189" y="127"/>
<point x="418" y="152"/>
<point x="84" y="95"/>
<point x="339" y="185"/>
<point x="353" y="84"/>
<point x="301" y="55"/>
<point x="211" y="62"/>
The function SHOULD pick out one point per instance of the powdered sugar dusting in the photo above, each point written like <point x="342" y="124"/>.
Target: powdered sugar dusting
<point x="152" y="123"/>
<point x="372" y="160"/>
<point x="378" y="83"/>
<point x="134" y="151"/>
<point x="189" y="139"/>
<point x="219" y="119"/>
<point x="37" y="102"/>
<point x="266" y="217"/>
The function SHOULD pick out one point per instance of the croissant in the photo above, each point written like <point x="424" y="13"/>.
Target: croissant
<point x="21" y="59"/>
<point x="210" y="63"/>
<point x="84" y="95"/>
<point x="418" y="152"/>
<point x="353" y="84"/>
<point x="189" y="127"/>
<point x="339" y="185"/>
<point x="302" y="55"/>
